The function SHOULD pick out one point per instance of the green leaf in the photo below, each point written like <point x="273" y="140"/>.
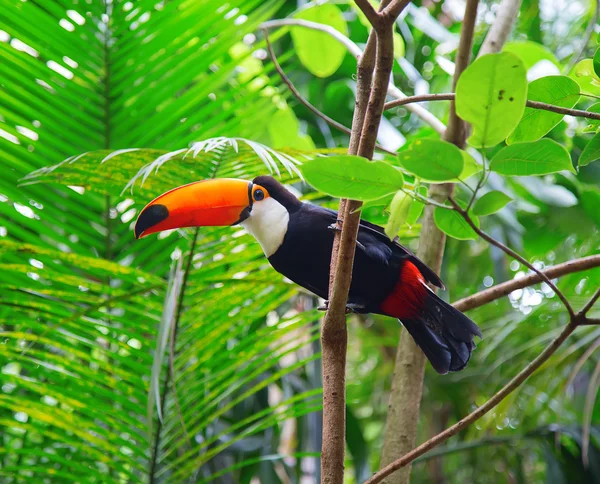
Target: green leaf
<point x="491" y="95"/>
<point x="320" y="53"/>
<point x="536" y="158"/>
<point x="597" y="62"/>
<point x="557" y="90"/>
<point x="453" y="224"/>
<point x="591" y="152"/>
<point x="284" y="131"/>
<point x="432" y="160"/>
<point x="416" y="209"/>
<point x="470" y="166"/>
<point x="399" y="46"/>
<point x="399" y="209"/>
<point x="490" y="203"/>
<point x="594" y="123"/>
<point x="347" y="176"/>
<point x="586" y="77"/>
<point x="530" y="52"/>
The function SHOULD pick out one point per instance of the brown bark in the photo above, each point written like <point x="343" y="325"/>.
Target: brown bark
<point x="371" y="90"/>
<point x="407" y="384"/>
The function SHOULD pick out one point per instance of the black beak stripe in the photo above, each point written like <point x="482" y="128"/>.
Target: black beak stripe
<point x="150" y="217"/>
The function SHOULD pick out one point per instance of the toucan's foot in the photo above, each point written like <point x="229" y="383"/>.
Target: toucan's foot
<point x="335" y="226"/>
<point x="355" y="308"/>
<point x="324" y="306"/>
<point x="350" y="307"/>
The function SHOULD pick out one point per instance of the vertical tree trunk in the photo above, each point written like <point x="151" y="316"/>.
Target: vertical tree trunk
<point x="407" y="384"/>
<point x="374" y="70"/>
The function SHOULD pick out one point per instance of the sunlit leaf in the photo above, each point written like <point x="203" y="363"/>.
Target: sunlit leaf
<point x="490" y="203"/>
<point x="319" y="52"/>
<point x="537" y="158"/>
<point x="399" y="209"/>
<point x="591" y="152"/>
<point x="433" y="160"/>
<point x="354" y="177"/>
<point x="530" y="52"/>
<point x="453" y="224"/>
<point x="557" y="90"/>
<point x="491" y="95"/>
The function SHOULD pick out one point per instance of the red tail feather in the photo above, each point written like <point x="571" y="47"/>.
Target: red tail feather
<point x="408" y="296"/>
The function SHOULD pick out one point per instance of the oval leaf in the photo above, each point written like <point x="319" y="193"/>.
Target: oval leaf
<point x="399" y="209"/>
<point x="591" y="152"/>
<point x="347" y="176"/>
<point x="470" y="167"/>
<point x="416" y="208"/>
<point x="586" y="77"/>
<point x="433" y="160"/>
<point x="491" y="202"/>
<point x="558" y="90"/>
<point x="320" y="53"/>
<point x="453" y="224"/>
<point x="537" y="158"/>
<point x="491" y="95"/>
<point x="530" y="53"/>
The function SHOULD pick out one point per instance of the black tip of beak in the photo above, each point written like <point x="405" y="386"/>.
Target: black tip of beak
<point x="149" y="217"/>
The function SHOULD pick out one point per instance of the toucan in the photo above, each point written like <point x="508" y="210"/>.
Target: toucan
<point x="297" y="238"/>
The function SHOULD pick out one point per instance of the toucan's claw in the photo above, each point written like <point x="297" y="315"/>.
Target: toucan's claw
<point x="335" y="226"/>
<point x="350" y="307"/>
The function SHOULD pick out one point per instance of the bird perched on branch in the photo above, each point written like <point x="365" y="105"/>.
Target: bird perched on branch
<point x="297" y="238"/>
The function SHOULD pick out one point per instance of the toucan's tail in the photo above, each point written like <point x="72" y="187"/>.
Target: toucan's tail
<point x="443" y="333"/>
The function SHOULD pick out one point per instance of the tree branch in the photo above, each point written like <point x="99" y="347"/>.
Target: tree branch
<point x="591" y="302"/>
<point x="508" y="10"/>
<point x="574" y="321"/>
<point x="504" y="289"/>
<point x="357" y="53"/>
<point x="370" y="99"/>
<point x="513" y="254"/>
<point x="450" y="96"/>
<point x="334" y="335"/>
<point x="480" y="412"/>
<point x="407" y="383"/>
<point x="371" y="14"/>
<point x="304" y="101"/>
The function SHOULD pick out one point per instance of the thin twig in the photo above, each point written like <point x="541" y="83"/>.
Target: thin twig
<point x="449" y="96"/>
<point x="357" y="53"/>
<point x="419" y="98"/>
<point x="591" y="302"/>
<point x="504" y="289"/>
<point x="372" y="15"/>
<point x="574" y="321"/>
<point x="304" y="101"/>
<point x="513" y="254"/>
<point x="479" y="412"/>
<point x="506" y="16"/>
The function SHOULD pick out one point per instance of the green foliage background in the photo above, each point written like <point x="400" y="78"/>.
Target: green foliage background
<point x="88" y="315"/>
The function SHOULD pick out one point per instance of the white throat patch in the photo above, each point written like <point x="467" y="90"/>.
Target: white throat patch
<point x="268" y="223"/>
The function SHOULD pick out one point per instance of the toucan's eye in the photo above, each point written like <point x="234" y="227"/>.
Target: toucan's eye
<point x="258" y="195"/>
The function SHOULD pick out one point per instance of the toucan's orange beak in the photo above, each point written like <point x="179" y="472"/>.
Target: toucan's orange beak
<point x="217" y="202"/>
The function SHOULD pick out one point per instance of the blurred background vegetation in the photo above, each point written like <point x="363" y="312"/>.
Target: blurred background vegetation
<point x="185" y="357"/>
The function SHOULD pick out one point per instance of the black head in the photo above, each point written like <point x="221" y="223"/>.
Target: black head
<point x="278" y="192"/>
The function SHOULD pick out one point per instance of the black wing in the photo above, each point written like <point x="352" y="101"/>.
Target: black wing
<point x="397" y="250"/>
